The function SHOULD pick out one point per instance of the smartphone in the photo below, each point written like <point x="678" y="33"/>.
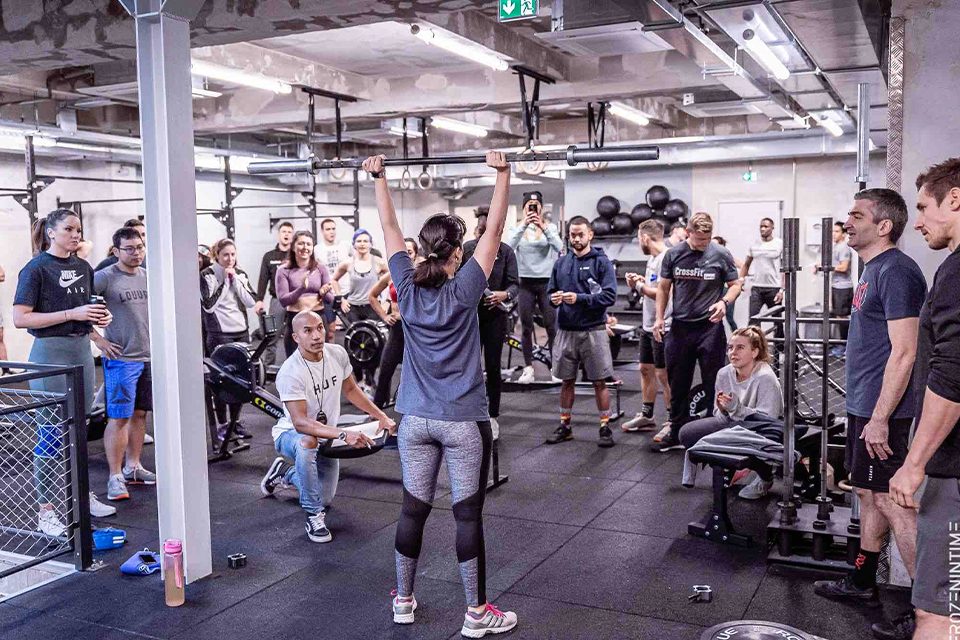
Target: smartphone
<point x="97" y="300"/>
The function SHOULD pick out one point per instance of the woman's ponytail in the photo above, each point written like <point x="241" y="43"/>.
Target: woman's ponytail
<point x="441" y="235"/>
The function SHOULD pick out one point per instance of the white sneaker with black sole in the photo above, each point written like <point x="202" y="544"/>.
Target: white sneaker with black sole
<point x="273" y="479"/>
<point x="317" y="528"/>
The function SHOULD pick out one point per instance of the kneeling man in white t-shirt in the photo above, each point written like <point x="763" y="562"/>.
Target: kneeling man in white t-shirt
<point x="309" y="384"/>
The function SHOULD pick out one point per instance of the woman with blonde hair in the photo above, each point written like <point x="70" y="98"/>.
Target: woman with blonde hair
<point x="746" y="386"/>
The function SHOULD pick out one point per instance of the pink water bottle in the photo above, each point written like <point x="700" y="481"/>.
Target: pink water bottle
<point x="173" y="580"/>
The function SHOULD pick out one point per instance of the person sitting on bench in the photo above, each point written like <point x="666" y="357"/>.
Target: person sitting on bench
<point x="309" y="384"/>
<point x="746" y="386"/>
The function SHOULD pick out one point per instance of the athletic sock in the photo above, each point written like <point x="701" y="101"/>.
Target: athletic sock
<point x="647" y="410"/>
<point x="565" y="416"/>
<point x="604" y="418"/>
<point x="864" y="573"/>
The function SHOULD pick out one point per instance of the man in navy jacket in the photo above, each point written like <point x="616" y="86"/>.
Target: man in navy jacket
<point x="583" y="285"/>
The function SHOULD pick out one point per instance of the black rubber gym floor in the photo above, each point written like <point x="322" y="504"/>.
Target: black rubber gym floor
<point x="583" y="543"/>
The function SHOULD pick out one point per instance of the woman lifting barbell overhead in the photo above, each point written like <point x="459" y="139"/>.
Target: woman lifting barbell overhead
<point x="441" y="394"/>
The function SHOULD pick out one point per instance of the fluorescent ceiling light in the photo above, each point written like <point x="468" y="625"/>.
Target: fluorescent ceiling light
<point x="205" y="93"/>
<point x="832" y="127"/>
<point x="239" y="76"/>
<point x="763" y="54"/>
<point x="629" y="113"/>
<point x="411" y="133"/>
<point x="461" y="47"/>
<point x="459" y="126"/>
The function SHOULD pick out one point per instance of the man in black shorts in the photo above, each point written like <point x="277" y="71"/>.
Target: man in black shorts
<point x="935" y="451"/>
<point x="653" y="362"/>
<point x="695" y="273"/>
<point x="881" y="350"/>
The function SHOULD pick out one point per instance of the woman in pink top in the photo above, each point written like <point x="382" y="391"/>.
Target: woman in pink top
<point x="302" y="284"/>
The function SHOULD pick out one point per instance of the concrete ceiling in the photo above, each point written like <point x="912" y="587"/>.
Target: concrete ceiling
<point x="62" y="51"/>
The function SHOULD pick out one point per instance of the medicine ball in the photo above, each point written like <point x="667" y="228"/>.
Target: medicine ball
<point x="676" y="209"/>
<point x="601" y="226"/>
<point x="658" y="196"/>
<point x="622" y="224"/>
<point x="666" y="222"/>
<point x="640" y="213"/>
<point x="608" y="206"/>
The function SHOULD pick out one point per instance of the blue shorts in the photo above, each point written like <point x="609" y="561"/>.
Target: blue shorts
<point x="128" y="387"/>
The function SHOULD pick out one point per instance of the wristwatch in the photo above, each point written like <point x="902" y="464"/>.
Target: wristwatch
<point x="343" y="436"/>
<point x="377" y="174"/>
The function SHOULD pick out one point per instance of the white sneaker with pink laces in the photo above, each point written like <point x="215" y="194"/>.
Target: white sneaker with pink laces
<point x="490" y="620"/>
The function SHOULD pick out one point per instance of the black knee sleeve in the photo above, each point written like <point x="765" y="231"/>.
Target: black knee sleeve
<point x="413" y="516"/>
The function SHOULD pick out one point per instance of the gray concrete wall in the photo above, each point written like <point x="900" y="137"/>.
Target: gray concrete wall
<point x="930" y="124"/>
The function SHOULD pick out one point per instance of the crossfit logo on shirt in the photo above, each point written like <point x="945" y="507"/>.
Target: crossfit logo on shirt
<point x="696" y="273"/>
<point x="67" y="278"/>
<point x="860" y="295"/>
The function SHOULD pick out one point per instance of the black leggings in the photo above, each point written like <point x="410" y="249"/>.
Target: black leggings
<point x="363" y="372"/>
<point x="466" y="448"/>
<point x="686" y="344"/>
<point x="533" y="295"/>
<point x="493" y="330"/>
<point x="214" y="340"/>
<point x="390" y="359"/>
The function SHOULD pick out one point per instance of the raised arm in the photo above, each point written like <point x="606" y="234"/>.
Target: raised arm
<point x="489" y="242"/>
<point x="392" y="235"/>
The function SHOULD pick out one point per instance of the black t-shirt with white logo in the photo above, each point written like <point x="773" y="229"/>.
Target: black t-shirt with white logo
<point x="50" y="284"/>
<point x="698" y="278"/>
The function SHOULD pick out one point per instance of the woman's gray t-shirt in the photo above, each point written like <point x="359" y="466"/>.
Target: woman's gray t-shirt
<point x="442" y="378"/>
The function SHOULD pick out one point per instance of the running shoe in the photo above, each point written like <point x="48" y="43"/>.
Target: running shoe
<point x="403" y="609"/>
<point x="241" y="433"/>
<point x="638" y="422"/>
<point x="317" y="527"/>
<point x="757" y="489"/>
<point x="900" y="628"/>
<point x="605" y="440"/>
<point x="845" y="590"/>
<point x="49" y="523"/>
<point x="117" y="488"/>
<point x="663" y="431"/>
<point x="527" y="376"/>
<point x="490" y="620"/>
<point x="98" y="509"/>
<point x="139" y="475"/>
<point x="560" y="434"/>
<point x="669" y="442"/>
<point x="274" y="477"/>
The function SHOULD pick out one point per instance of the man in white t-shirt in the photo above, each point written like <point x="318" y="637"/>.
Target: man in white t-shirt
<point x="766" y="278"/>
<point x="330" y="254"/>
<point x="653" y="364"/>
<point x="309" y="384"/>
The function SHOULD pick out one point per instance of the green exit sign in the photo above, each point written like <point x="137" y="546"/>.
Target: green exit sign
<point x="518" y="9"/>
<point x="751" y="176"/>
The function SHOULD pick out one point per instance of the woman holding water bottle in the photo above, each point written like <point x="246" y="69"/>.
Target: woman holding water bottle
<point x="54" y="303"/>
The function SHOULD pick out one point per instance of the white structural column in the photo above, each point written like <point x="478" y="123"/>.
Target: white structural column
<point x="166" y="126"/>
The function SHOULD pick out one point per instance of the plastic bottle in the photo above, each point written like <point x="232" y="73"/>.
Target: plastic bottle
<point x="173" y="580"/>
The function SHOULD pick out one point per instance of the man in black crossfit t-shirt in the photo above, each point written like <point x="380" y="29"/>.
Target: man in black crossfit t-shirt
<point x="695" y="271"/>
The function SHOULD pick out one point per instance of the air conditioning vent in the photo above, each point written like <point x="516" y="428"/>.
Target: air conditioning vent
<point x="606" y="40"/>
<point x="720" y="109"/>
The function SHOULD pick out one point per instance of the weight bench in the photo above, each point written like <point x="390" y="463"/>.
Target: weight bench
<point x="717" y="525"/>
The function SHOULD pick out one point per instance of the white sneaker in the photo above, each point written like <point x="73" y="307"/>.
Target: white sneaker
<point x="98" y="509"/>
<point x="49" y="523"/>
<point x="495" y="428"/>
<point x="492" y="620"/>
<point x="554" y="379"/>
<point x="403" y="609"/>
<point x="147" y="438"/>
<point x="527" y="376"/>
<point x="663" y="433"/>
<point x="756" y="489"/>
<point x="638" y="422"/>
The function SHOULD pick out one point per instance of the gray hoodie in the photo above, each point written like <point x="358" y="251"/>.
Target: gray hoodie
<point x="535" y="258"/>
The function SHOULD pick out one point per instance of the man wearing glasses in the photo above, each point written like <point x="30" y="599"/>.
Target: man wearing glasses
<point x="126" y="362"/>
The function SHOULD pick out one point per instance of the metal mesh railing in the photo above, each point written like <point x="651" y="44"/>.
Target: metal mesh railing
<point x="39" y="510"/>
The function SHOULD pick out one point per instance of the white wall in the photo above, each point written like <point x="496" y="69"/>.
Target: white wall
<point x="253" y="234"/>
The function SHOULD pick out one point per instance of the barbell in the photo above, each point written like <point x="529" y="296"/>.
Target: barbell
<point x="573" y="156"/>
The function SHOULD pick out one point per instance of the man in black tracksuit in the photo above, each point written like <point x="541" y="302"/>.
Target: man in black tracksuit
<point x="503" y="286"/>
<point x="268" y="282"/>
<point x="695" y="271"/>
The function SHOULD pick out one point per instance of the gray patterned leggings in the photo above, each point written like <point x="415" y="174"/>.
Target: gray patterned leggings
<point x="466" y="446"/>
